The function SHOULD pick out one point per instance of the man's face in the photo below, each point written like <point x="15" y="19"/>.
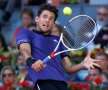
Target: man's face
<point x="21" y="63"/>
<point x="102" y="14"/>
<point x="55" y="31"/>
<point x="104" y="61"/>
<point x="8" y="76"/>
<point x="93" y="73"/>
<point x="26" y="20"/>
<point x="45" y="21"/>
<point x="20" y="60"/>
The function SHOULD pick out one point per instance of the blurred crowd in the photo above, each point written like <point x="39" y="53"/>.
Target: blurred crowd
<point x="13" y="68"/>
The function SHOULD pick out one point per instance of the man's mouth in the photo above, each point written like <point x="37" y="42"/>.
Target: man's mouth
<point x="46" y="26"/>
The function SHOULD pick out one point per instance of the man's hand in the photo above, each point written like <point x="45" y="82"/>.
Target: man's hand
<point x="38" y="65"/>
<point x="89" y="62"/>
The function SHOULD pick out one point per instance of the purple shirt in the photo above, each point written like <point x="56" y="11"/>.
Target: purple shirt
<point x="41" y="47"/>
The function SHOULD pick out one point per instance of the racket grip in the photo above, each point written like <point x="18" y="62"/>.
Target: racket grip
<point x="46" y="59"/>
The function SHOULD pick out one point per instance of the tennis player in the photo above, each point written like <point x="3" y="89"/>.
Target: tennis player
<point x="37" y="44"/>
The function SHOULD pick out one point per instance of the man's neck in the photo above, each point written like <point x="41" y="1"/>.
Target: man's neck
<point x="45" y="33"/>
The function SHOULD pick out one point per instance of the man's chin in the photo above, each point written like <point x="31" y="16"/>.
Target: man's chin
<point x="45" y="31"/>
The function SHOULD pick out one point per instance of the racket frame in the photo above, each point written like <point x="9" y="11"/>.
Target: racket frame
<point x="53" y="54"/>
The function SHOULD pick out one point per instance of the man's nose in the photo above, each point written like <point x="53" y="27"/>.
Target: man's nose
<point x="47" y="19"/>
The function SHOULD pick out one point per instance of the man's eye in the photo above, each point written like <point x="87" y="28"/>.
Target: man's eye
<point x="51" y="18"/>
<point x="45" y="16"/>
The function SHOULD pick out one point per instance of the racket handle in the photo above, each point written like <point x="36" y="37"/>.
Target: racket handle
<point x="46" y="59"/>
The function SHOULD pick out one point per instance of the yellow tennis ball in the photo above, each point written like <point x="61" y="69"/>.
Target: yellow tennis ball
<point x="67" y="11"/>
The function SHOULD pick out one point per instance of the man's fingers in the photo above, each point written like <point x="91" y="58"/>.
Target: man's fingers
<point x="38" y="65"/>
<point x="96" y="60"/>
<point x="34" y="67"/>
<point x="95" y="64"/>
<point x="92" y="66"/>
<point x="41" y="63"/>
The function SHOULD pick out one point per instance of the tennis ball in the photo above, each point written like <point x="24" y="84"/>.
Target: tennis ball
<point x="67" y="11"/>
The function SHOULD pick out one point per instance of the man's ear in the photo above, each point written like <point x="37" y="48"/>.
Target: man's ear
<point x="36" y="19"/>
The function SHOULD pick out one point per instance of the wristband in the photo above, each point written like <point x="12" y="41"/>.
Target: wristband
<point x="30" y="61"/>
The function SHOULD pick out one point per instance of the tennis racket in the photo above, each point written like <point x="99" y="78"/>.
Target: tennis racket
<point x="77" y="34"/>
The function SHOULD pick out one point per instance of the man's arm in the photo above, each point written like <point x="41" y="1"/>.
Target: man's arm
<point x="25" y="50"/>
<point x="87" y="63"/>
<point x="69" y="67"/>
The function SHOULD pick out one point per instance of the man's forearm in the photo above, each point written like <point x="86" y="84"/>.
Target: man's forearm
<point x="75" y="68"/>
<point x="25" y="50"/>
<point x="69" y="67"/>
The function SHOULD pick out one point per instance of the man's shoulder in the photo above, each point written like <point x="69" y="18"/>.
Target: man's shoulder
<point x="24" y="31"/>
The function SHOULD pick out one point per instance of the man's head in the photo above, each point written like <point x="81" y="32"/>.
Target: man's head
<point x="21" y="63"/>
<point x="104" y="63"/>
<point x="47" y="15"/>
<point x="27" y="17"/>
<point x="8" y="75"/>
<point x="94" y="73"/>
<point x="56" y="30"/>
<point x="102" y="13"/>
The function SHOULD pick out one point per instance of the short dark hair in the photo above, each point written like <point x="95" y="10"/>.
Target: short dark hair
<point x="59" y="27"/>
<point x="28" y="11"/>
<point x="48" y="7"/>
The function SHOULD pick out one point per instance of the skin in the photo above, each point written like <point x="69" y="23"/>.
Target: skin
<point x="103" y="63"/>
<point x="26" y="20"/>
<point x="55" y="31"/>
<point x="20" y="60"/>
<point x="94" y="73"/>
<point x="8" y="78"/>
<point x="102" y="11"/>
<point x="44" y="23"/>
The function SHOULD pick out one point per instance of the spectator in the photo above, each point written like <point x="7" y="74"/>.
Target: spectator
<point x="22" y="72"/>
<point x="3" y="46"/>
<point x="5" y="55"/>
<point x="8" y="77"/>
<point x="104" y="63"/>
<point x="102" y="17"/>
<point x="105" y="80"/>
<point x="102" y="37"/>
<point x="94" y="73"/>
<point x="101" y="21"/>
<point x="32" y="26"/>
<point x="33" y="2"/>
<point x="7" y="10"/>
<point x="27" y="18"/>
<point x="56" y="30"/>
<point x="105" y="77"/>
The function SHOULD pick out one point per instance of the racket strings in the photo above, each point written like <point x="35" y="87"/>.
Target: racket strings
<point x="90" y="27"/>
<point x="89" y="24"/>
<point x="86" y="26"/>
<point x="66" y="41"/>
<point x="79" y="32"/>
